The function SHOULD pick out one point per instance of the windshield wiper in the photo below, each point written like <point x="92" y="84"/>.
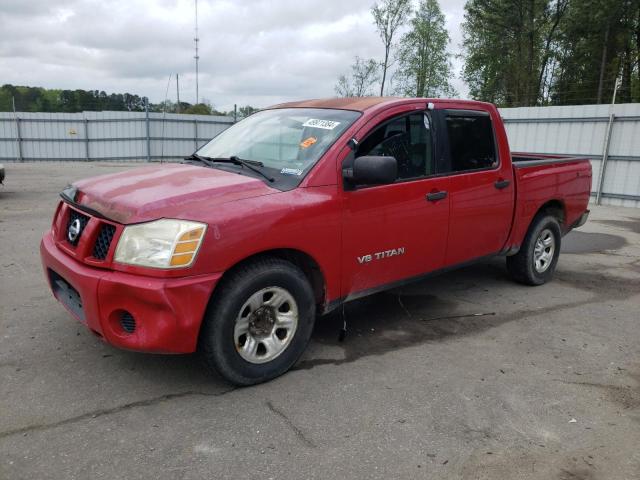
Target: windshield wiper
<point x="250" y="164"/>
<point x="205" y="160"/>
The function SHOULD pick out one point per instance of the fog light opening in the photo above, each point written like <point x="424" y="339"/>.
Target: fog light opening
<point x="127" y="322"/>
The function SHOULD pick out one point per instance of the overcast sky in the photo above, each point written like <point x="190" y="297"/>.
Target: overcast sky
<point x="256" y="52"/>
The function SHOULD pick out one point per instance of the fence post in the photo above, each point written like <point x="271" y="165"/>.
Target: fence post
<point x="195" y="134"/>
<point x="235" y="113"/>
<point x="607" y="141"/>
<point x="18" y="136"/>
<point x="86" y="139"/>
<point x="146" y="121"/>
<point x="19" y="139"/>
<point x="605" y="157"/>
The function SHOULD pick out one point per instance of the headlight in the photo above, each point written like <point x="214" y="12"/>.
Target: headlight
<point x="160" y="244"/>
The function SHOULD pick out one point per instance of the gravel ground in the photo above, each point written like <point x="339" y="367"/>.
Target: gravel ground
<point x="545" y="384"/>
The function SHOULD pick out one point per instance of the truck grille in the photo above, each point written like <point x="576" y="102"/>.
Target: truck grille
<point x="89" y="236"/>
<point x="103" y="242"/>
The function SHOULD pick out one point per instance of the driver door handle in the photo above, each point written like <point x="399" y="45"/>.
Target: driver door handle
<point x="435" y="196"/>
<point x="500" y="184"/>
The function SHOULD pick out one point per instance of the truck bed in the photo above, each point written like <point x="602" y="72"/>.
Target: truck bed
<point x="562" y="181"/>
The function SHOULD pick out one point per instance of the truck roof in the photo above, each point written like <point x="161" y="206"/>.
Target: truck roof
<point x="360" y="104"/>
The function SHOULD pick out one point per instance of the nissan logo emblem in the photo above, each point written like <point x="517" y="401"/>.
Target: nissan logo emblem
<point x="74" y="230"/>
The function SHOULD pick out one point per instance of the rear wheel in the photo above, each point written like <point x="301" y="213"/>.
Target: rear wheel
<point x="536" y="261"/>
<point x="259" y="322"/>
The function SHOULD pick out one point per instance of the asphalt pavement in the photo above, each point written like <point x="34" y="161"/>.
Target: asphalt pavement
<point x="466" y="375"/>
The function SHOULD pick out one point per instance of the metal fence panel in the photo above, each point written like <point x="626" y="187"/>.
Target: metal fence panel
<point x="582" y="130"/>
<point x="105" y="136"/>
<point x="138" y="136"/>
<point x="8" y="142"/>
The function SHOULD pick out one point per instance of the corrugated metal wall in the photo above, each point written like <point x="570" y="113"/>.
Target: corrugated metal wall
<point x="582" y="130"/>
<point x="86" y="136"/>
<point x="133" y="136"/>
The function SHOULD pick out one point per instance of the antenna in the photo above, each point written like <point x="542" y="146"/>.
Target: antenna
<point x="177" y="93"/>
<point x="197" y="57"/>
<point x="164" y="114"/>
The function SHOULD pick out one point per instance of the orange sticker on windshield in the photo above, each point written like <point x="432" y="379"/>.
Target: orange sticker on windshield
<point x="308" y="142"/>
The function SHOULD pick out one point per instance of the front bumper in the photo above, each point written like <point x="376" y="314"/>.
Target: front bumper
<point x="166" y="312"/>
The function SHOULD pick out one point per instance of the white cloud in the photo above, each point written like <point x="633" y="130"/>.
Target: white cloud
<point x="254" y="52"/>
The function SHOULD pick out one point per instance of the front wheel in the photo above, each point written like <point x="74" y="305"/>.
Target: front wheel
<point x="536" y="261"/>
<point x="259" y="322"/>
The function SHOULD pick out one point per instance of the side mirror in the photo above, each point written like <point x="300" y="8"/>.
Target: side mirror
<point x="373" y="170"/>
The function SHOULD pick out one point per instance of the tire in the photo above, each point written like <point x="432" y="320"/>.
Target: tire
<point x="258" y="323"/>
<point x="533" y="265"/>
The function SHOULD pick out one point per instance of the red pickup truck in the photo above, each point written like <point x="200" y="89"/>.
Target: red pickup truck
<point x="294" y="211"/>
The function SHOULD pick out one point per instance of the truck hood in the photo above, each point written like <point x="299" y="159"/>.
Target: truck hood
<point x="165" y="191"/>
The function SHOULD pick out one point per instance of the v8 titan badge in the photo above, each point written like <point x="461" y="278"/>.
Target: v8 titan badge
<point x="381" y="255"/>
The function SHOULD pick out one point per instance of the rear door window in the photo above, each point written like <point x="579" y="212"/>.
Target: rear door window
<point x="471" y="141"/>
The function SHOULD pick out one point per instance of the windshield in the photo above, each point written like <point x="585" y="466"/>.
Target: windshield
<point x="287" y="141"/>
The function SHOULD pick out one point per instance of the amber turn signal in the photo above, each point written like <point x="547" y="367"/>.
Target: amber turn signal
<point x="186" y="247"/>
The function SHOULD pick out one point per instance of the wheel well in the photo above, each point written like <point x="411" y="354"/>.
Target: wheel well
<point x="554" y="208"/>
<point x="302" y="260"/>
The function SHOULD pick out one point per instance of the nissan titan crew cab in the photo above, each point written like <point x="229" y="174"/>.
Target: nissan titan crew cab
<point x="296" y="210"/>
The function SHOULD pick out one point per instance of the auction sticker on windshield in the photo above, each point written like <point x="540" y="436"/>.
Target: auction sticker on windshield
<point x="324" y="124"/>
<point x="291" y="171"/>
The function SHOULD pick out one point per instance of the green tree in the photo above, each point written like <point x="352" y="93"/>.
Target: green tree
<point x="504" y="43"/>
<point x="424" y="68"/>
<point x="598" y="43"/>
<point x="364" y="74"/>
<point x="36" y="99"/>
<point x="246" y="111"/>
<point x="67" y="102"/>
<point x="388" y="17"/>
<point x="198" y="109"/>
<point x="538" y="52"/>
<point x="6" y="94"/>
<point x="166" y="106"/>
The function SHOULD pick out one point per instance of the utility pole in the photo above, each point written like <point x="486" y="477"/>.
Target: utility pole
<point x="177" y="93"/>
<point x="197" y="57"/>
